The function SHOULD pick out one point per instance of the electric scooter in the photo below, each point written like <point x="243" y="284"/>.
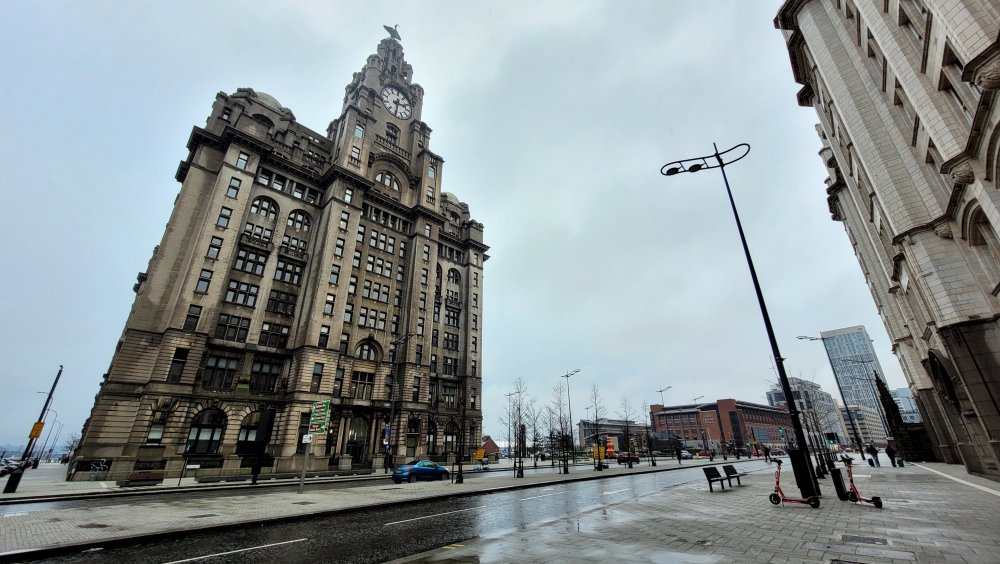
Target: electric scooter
<point x="852" y="493"/>
<point x="778" y="497"/>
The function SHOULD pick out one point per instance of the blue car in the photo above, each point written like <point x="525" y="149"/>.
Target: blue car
<point x="419" y="470"/>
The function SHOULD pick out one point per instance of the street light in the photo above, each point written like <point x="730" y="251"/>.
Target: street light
<point x="36" y="431"/>
<point x="870" y="380"/>
<point x="661" y="390"/>
<point x="730" y="156"/>
<point x="850" y="414"/>
<point x="49" y="434"/>
<point x="569" y="399"/>
<point x="510" y="425"/>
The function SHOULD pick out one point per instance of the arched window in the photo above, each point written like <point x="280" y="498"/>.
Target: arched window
<point x="247" y="439"/>
<point x="366" y="351"/>
<point x="454" y="277"/>
<point x="206" y="432"/>
<point x="451" y="438"/>
<point x="299" y="219"/>
<point x="388" y="179"/>
<point x="264" y="207"/>
<point x="983" y="239"/>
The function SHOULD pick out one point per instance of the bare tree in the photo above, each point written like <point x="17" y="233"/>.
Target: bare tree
<point x="559" y="408"/>
<point x="626" y="415"/>
<point x="71" y="443"/>
<point x="532" y="418"/>
<point x="599" y="413"/>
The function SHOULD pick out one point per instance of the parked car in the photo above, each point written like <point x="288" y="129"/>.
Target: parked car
<point x="685" y="455"/>
<point x="624" y="457"/>
<point x="419" y="470"/>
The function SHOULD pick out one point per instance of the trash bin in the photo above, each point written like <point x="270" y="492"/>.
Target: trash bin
<point x="838" y="483"/>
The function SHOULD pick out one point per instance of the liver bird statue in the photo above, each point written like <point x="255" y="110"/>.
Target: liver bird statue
<point x="392" y="32"/>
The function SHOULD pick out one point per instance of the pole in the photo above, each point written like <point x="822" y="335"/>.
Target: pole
<point x="305" y="464"/>
<point x="840" y="388"/>
<point x="786" y="387"/>
<point x="569" y="400"/>
<point x="15" y="477"/>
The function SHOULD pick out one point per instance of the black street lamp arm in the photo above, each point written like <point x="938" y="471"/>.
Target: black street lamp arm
<point x="727" y="157"/>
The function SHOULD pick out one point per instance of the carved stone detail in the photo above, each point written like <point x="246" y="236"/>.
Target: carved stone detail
<point x="988" y="78"/>
<point x="962" y="174"/>
<point x="943" y="230"/>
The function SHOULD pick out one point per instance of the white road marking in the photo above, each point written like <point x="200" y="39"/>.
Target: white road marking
<point x="235" y="551"/>
<point x="616" y="491"/>
<point x="960" y="481"/>
<point x="540" y="496"/>
<point x="435" y="515"/>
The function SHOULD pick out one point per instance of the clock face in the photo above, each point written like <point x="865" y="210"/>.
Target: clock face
<point x="396" y="102"/>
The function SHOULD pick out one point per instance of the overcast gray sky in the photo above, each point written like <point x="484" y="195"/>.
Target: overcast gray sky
<point x="554" y="119"/>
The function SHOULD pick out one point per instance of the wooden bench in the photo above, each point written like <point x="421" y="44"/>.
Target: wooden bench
<point x="732" y="472"/>
<point x="712" y="475"/>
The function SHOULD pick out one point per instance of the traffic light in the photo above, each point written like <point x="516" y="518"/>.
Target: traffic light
<point x="782" y="431"/>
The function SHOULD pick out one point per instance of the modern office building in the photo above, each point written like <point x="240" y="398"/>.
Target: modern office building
<point x="868" y="423"/>
<point x="725" y="422"/>
<point x="596" y="432"/>
<point x="909" y="127"/>
<point x="818" y="410"/>
<point x="855" y="367"/>
<point x="906" y="404"/>
<point x="306" y="284"/>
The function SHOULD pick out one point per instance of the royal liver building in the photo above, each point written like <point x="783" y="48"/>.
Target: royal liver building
<point x="299" y="268"/>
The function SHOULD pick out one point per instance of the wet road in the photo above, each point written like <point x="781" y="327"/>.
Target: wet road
<point x="378" y="535"/>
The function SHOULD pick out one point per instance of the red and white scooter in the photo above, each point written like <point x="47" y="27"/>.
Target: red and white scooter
<point x="778" y="497"/>
<point x="852" y="493"/>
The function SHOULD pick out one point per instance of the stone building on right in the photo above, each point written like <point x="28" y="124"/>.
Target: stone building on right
<point x="906" y="93"/>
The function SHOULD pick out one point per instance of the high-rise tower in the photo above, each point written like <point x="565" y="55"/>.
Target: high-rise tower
<point x="299" y="268"/>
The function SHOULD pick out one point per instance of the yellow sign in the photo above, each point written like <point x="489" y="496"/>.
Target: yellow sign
<point x="481" y="454"/>
<point x="36" y="430"/>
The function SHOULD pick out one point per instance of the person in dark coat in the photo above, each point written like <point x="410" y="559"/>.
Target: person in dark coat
<point x="678" y="453"/>
<point x="767" y="453"/>
<point x="255" y="471"/>
<point x="891" y="453"/>
<point x="874" y="454"/>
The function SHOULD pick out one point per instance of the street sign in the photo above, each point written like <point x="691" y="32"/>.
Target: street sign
<point x="320" y="417"/>
<point x="193" y="466"/>
<point x="481" y="454"/>
<point x="306" y="439"/>
<point x="36" y="430"/>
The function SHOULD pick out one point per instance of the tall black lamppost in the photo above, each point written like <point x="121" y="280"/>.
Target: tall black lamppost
<point x="661" y="390"/>
<point x="569" y="400"/>
<point x="36" y="430"/>
<point x="808" y="487"/>
<point x="870" y="380"/>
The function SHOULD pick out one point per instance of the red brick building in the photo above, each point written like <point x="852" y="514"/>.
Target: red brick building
<point x="726" y="421"/>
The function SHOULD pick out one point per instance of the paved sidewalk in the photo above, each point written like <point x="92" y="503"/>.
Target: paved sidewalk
<point x="927" y="517"/>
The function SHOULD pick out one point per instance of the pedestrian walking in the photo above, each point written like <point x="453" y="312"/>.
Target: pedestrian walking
<point x="891" y="453"/>
<point x="873" y="451"/>
<point x="767" y="453"/>
<point x="678" y="453"/>
<point x="255" y="470"/>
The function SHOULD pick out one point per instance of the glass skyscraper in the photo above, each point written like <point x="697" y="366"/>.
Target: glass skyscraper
<point x="855" y="367"/>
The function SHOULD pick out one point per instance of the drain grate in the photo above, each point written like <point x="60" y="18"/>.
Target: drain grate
<point x="94" y="526"/>
<point x="304" y="503"/>
<point x="864" y="540"/>
<point x="202" y="516"/>
<point x="845" y="562"/>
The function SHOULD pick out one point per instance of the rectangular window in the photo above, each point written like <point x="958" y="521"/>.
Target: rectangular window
<point x="381" y="321"/>
<point x="420" y="354"/>
<point x="475" y="300"/>
<point x="427" y="230"/>
<point x="420" y="326"/>
<point x="204" y="279"/>
<point x="475" y="342"/>
<point x="156" y="427"/>
<point x="356" y="154"/>
<point x="475" y="322"/>
<point x="473" y="367"/>
<point x="448" y="393"/>
<point x="220" y="371"/>
<point x="177" y="365"/>
<point x="338" y="383"/>
<point x="232" y="328"/>
<point x="226" y="113"/>
<point x="434" y="338"/>
<point x="357" y="259"/>
<point x="348" y="195"/>
<point x="437" y="313"/>
<point x="399" y="273"/>
<point x="422" y="304"/>
<point x="224" y="216"/>
<point x="338" y="250"/>
<point x="273" y="335"/>
<point x="427" y="253"/>
<point x="451" y="317"/>
<point x="345" y="219"/>
<point x="264" y="374"/>
<point x="360" y="237"/>
<point x="287" y="271"/>
<point x="402" y="249"/>
<point x="415" y="396"/>
<point x="264" y="177"/>
<point x="252" y="262"/>
<point x="317" y="377"/>
<point x="348" y="312"/>
<point x="359" y="131"/>
<point x="193" y="315"/>
<point x="335" y="274"/>
<point x="451" y="341"/>
<point x="363" y="317"/>
<point x="345" y="341"/>
<point x="242" y="160"/>
<point x="214" y="247"/>
<point x="281" y="302"/>
<point x="234" y="187"/>
<point x="241" y="293"/>
<point x="324" y="336"/>
<point x="434" y="363"/>
<point x="258" y="232"/>
<point x="423" y="276"/>
<point x="366" y="291"/>
<point x="475" y="279"/>
<point x="450" y="365"/>
<point x="328" y="306"/>
<point x="352" y="286"/>
<point x="362" y="384"/>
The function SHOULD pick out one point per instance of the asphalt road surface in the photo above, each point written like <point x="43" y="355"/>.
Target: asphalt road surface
<point x="377" y="535"/>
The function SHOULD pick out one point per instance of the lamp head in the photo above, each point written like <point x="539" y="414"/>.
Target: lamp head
<point x="672" y="171"/>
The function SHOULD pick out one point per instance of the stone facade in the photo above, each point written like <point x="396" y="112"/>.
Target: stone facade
<point x="297" y="268"/>
<point x="905" y="91"/>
